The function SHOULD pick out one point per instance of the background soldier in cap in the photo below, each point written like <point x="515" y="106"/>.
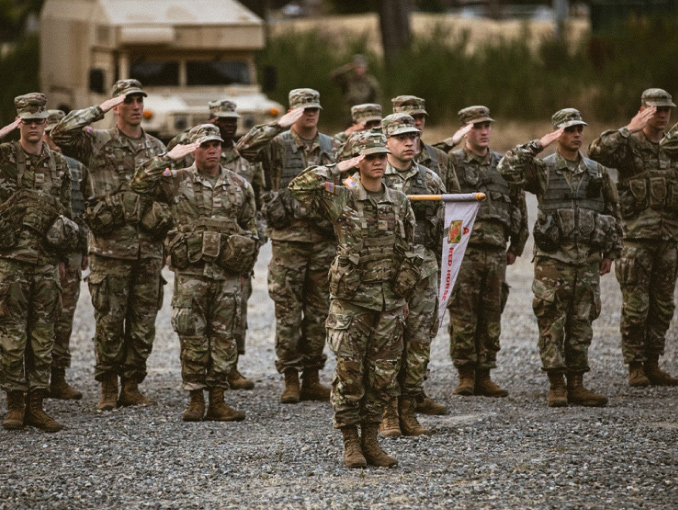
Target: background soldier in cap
<point x="303" y="244"/>
<point x="375" y="228"/>
<point x="647" y="166"/>
<point x="213" y="244"/>
<point x="76" y="263"/>
<point x="405" y="175"/>
<point x="357" y="85"/>
<point x="35" y="201"/>
<point x="576" y="236"/>
<point x="481" y="290"/>
<point x="125" y="245"/>
<point x="365" y="117"/>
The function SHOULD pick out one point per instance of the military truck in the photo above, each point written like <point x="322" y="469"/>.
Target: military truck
<point x="185" y="53"/>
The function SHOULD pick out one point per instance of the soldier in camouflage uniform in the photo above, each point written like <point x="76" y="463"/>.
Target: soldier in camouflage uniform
<point x="365" y="117"/>
<point x="35" y="203"/>
<point x="370" y="278"/>
<point x="647" y="164"/>
<point x="125" y="243"/>
<point x="357" y="85"/>
<point x="70" y="280"/>
<point x="214" y="243"/>
<point x="303" y="244"/>
<point x="223" y="114"/>
<point x="481" y="290"/>
<point x="405" y="175"/>
<point x="576" y="236"/>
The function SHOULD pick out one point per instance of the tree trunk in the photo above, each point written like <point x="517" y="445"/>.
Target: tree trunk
<point x="394" y="19"/>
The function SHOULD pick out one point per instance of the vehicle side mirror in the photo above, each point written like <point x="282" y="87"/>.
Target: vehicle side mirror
<point x="269" y="80"/>
<point x="96" y="81"/>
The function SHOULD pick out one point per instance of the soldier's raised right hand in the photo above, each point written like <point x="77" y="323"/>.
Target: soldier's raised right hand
<point x="347" y="164"/>
<point x="180" y="151"/>
<point x="290" y="117"/>
<point x="111" y="103"/>
<point x="548" y="139"/>
<point x="9" y="128"/>
<point x="640" y="119"/>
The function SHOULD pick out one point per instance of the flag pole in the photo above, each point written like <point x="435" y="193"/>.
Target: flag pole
<point x="448" y="197"/>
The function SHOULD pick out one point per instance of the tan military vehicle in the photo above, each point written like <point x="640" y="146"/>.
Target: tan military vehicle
<point x="185" y="53"/>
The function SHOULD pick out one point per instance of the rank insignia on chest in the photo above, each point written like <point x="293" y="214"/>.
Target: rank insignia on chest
<point x="350" y="183"/>
<point x="329" y="186"/>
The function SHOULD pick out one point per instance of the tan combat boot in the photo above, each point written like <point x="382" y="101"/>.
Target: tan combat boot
<point x="219" y="410"/>
<point x="237" y="381"/>
<point x="311" y="389"/>
<point x="17" y="408"/>
<point x="409" y="425"/>
<point x="426" y="405"/>
<point x="637" y="377"/>
<point x="59" y="388"/>
<point x="291" y="393"/>
<point x="353" y="453"/>
<point x="486" y="386"/>
<point x="580" y="396"/>
<point x="109" y="393"/>
<point x="656" y="375"/>
<point x="196" y="407"/>
<point x="36" y="416"/>
<point x="390" y="423"/>
<point x="557" y="391"/>
<point x="130" y="395"/>
<point x="373" y="453"/>
<point x="467" y="380"/>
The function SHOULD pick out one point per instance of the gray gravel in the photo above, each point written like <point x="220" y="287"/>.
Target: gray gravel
<point x="487" y="453"/>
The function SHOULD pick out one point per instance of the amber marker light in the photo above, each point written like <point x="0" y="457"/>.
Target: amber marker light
<point x="148" y="114"/>
<point x="273" y="111"/>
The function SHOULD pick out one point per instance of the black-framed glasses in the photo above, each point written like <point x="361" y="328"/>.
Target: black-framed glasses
<point x="37" y="122"/>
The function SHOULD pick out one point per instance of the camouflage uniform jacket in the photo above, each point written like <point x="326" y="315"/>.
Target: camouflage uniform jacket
<point x="272" y="146"/>
<point x="503" y="214"/>
<point x="428" y="233"/>
<point x="112" y="159"/>
<point x="197" y="205"/>
<point x="438" y="161"/>
<point x="372" y="234"/>
<point x="647" y="181"/>
<point x="49" y="180"/>
<point x="79" y="187"/>
<point x="356" y="89"/>
<point x="521" y="167"/>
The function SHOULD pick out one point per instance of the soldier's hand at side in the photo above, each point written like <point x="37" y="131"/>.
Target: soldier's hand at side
<point x="347" y="164"/>
<point x="10" y="127"/>
<point x="510" y="258"/>
<point x="111" y="103"/>
<point x="461" y="133"/>
<point x="605" y="266"/>
<point x="639" y="120"/>
<point x="62" y="270"/>
<point x="290" y="117"/>
<point x="85" y="263"/>
<point x="180" y="151"/>
<point x="406" y="310"/>
<point x="548" y="139"/>
<point x="360" y="126"/>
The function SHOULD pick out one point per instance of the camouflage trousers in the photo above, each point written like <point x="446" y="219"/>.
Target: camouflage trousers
<point x="475" y="306"/>
<point x="241" y="330"/>
<point x="205" y="315"/>
<point x="70" y="293"/>
<point x="420" y="328"/>
<point x="566" y="301"/>
<point x="299" y="286"/>
<point x="29" y="300"/>
<point x="367" y="345"/>
<point x="126" y="295"/>
<point x="646" y="273"/>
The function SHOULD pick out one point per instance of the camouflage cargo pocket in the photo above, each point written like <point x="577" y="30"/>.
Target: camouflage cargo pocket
<point x="657" y="192"/>
<point x="211" y="245"/>
<point x="178" y="252"/>
<point x="98" y="289"/>
<point x="544" y="297"/>
<point x="638" y="189"/>
<point x="546" y="233"/>
<point x="100" y="218"/>
<point x="624" y="267"/>
<point x="627" y="203"/>
<point x="338" y="340"/>
<point x="239" y="254"/>
<point x="596" y="304"/>
<point x="275" y="212"/>
<point x="344" y="278"/>
<point x="407" y="277"/>
<point x="156" y="220"/>
<point x="183" y="315"/>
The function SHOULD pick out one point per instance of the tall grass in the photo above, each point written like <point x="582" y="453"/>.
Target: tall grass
<point x="19" y="70"/>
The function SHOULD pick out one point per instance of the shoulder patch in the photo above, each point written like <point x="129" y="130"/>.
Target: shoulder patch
<point x="350" y="183"/>
<point x="329" y="186"/>
<point x="89" y="129"/>
<point x="167" y="172"/>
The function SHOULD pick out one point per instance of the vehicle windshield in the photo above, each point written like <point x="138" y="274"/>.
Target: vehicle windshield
<point x="217" y="73"/>
<point x="155" y="73"/>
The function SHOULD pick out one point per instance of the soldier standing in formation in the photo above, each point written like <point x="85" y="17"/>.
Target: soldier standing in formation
<point x="35" y="235"/>
<point x="421" y="325"/>
<point x="481" y="291"/>
<point x="76" y="263"/>
<point x="126" y="241"/>
<point x="577" y="235"/>
<point x="357" y="85"/>
<point x="647" y="164"/>
<point x="370" y="279"/>
<point x="213" y="244"/>
<point x="303" y="244"/>
<point x="365" y="117"/>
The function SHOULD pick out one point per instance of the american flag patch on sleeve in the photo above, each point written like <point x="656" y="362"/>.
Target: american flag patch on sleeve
<point x="167" y="172"/>
<point x="350" y="183"/>
<point x="329" y="187"/>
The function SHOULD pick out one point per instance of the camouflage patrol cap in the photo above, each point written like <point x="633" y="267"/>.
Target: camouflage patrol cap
<point x="223" y="108"/>
<point x="304" y="98"/>
<point x="369" y="142"/>
<point x="127" y="87"/>
<point x="31" y="106"/>
<point x="398" y="124"/>
<point x="411" y="105"/>
<point x="474" y="115"/>
<point x="656" y="97"/>
<point x="204" y="133"/>
<point x="55" y="117"/>
<point x="567" y="117"/>
<point x="366" y="112"/>
<point x="359" y="60"/>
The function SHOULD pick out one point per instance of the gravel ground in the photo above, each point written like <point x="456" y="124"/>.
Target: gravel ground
<point x="487" y="453"/>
